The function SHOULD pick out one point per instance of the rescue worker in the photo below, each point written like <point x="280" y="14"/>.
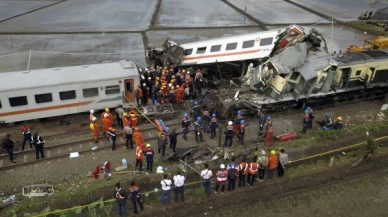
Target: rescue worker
<point x="283" y="160"/>
<point x="337" y="125"/>
<point x="112" y="136"/>
<point x="237" y="121"/>
<point x="311" y="117"/>
<point x="133" y="116"/>
<point x="128" y="135"/>
<point x="138" y="137"/>
<point x="145" y="93"/>
<point x="185" y="125"/>
<point x="110" y="117"/>
<point x="119" y="115"/>
<point x="252" y="170"/>
<point x="243" y="171"/>
<point x="8" y="145"/>
<point x="199" y="81"/>
<point x="91" y="116"/>
<point x="94" y="128"/>
<point x="156" y="90"/>
<point x="221" y="175"/>
<point x="229" y="133"/>
<point x="125" y="120"/>
<point x="139" y="95"/>
<point x="197" y="130"/>
<point x="149" y="153"/>
<point x="139" y="156"/>
<point x="261" y="123"/>
<point x="179" y="94"/>
<point x="263" y="165"/>
<point x="196" y="110"/>
<point x="213" y="126"/>
<point x="106" y="124"/>
<point x="306" y="121"/>
<point x="241" y="132"/>
<point x="325" y="122"/>
<point x="268" y="125"/>
<point x="232" y="174"/>
<point x="206" y="121"/>
<point x="162" y="143"/>
<point x="173" y="139"/>
<point x="171" y="95"/>
<point x="272" y="164"/>
<point x="26" y="130"/>
<point x="121" y="200"/>
<point x="38" y="143"/>
<point x="135" y="195"/>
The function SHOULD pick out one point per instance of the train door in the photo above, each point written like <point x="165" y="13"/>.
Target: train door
<point x="129" y="91"/>
<point x="346" y="72"/>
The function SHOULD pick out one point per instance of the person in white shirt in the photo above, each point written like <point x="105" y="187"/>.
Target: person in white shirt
<point x="206" y="174"/>
<point x="166" y="186"/>
<point x="179" y="182"/>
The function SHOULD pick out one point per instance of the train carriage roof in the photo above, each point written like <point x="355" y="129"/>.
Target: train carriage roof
<point x="360" y="57"/>
<point x="67" y="75"/>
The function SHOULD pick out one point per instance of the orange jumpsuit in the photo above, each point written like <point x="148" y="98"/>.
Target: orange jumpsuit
<point x="139" y="153"/>
<point x="94" y="128"/>
<point x="178" y="94"/>
<point x="110" y="117"/>
<point x="138" y="138"/>
<point x="125" y="123"/>
<point x="106" y="123"/>
<point x="133" y="116"/>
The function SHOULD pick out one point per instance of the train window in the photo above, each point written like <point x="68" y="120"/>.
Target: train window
<point x="215" y="48"/>
<point x="128" y="86"/>
<point x="115" y="89"/>
<point x="188" y="51"/>
<point x="18" y="101"/>
<point x="358" y="72"/>
<point x="201" y="50"/>
<point x="43" y="98"/>
<point x="90" y="92"/>
<point x="266" y="41"/>
<point x="231" y="46"/>
<point x="66" y="95"/>
<point x="248" y="44"/>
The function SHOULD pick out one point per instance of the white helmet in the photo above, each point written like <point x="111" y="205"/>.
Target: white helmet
<point x="230" y="123"/>
<point x="92" y="111"/>
<point x="94" y="119"/>
<point x="262" y="152"/>
<point x="144" y="84"/>
<point x="188" y="72"/>
<point x="222" y="166"/>
<point x="106" y="115"/>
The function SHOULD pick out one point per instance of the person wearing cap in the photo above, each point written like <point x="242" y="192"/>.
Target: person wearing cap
<point x="337" y="125"/>
<point x="138" y="137"/>
<point x="133" y="115"/>
<point x="166" y="191"/>
<point x="125" y="121"/>
<point x="263" y="165"/>
<point x="311" y="117"/>
<point x="94" y="127"/>
<point x="268" y="125"/>
<point x="241" y="132"/>
<point x="112" y="137"/>
<point x="243" y="171"/>
<point x="38" y="143"/>
<point x="121" y="196"/>
<point x="8" y="145"/>
<point x="144" y="89"/>
<point x="156" y="90"/>
<point x="197" y="130"/>
<point x="178" y="94"/>
<point x="179" y="187"/>
<point x="272" y="164"/>
<point x="106" y="124"/>
<point x="185" y="125"/>
<point x="135" y="196"/>
<point x="229" y="134"/>
<point x="91" y="115"/>
<point x="206" y="174"/>
<point x="173" y="139"/>
<point x="283" y="160"/>
<point x="221" y="175"/>
<point x="139" y="95"/>
<point x="213" y="126"/>
<point x="325" y="122"/>
<point x="128" y="136"/>
<point x="119" y="115"/>
<point x="139" y="156"/>
<point x="306" y="121"/>
<point x="149" y="153"/>
<point x="196" y="110"/>
<point x="171" y="94"/>
<point x="107" y="111"/>
<point x="206" y="121"/>
<point x="26" y="130"/>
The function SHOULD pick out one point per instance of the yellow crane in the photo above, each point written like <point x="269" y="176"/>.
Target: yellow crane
<point x="380" y="43"/>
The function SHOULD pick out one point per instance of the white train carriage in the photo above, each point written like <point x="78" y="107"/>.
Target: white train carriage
<point x="26" y="95"/>
<point x="251" y="46"/>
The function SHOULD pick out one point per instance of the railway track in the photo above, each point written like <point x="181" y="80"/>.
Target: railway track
<point x="82" y="145"/>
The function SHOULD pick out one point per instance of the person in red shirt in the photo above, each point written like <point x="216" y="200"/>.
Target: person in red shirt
<point x="272" y="164"/>
<point x="222" y="175"/>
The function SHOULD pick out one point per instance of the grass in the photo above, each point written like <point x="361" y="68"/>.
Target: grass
<point x="369" y="28"/>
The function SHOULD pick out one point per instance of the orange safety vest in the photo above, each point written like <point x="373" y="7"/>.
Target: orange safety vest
<point x="244" y="168"/>
<point x="133" y="115"/>
<point x="139" y="153"/>
<point x="252" y="168"/>
<point x="26" y="129"/>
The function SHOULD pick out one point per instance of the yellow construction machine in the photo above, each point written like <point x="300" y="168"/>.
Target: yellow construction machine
<point x="380" y="43"/>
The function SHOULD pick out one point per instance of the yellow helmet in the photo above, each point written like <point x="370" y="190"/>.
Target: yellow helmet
<point x="156" y="83"/>
<point x="125" y="114"/>
<point x="106" y="109"/>
<point x="273" y="152"/>
<point x="183" y="70"/>
<point x="339" y="118"/>
<point x="173" y="76"/>
<point x="172" y="88"/>
<point x="148" y="145"/>
<point x="157" y="78"/>
<point x="165" y="67"/>
<point x="177" y="86"/>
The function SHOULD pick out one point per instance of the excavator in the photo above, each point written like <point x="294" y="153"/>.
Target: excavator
<point x="380" y="43"/>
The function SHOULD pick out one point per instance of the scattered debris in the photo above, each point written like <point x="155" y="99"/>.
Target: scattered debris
<point x="38" y="190"/>
<point x="7" y="201"/>
<point x="94" y="148"/>
<point x="74" y="155"/>
<point x="159" y="169"/>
